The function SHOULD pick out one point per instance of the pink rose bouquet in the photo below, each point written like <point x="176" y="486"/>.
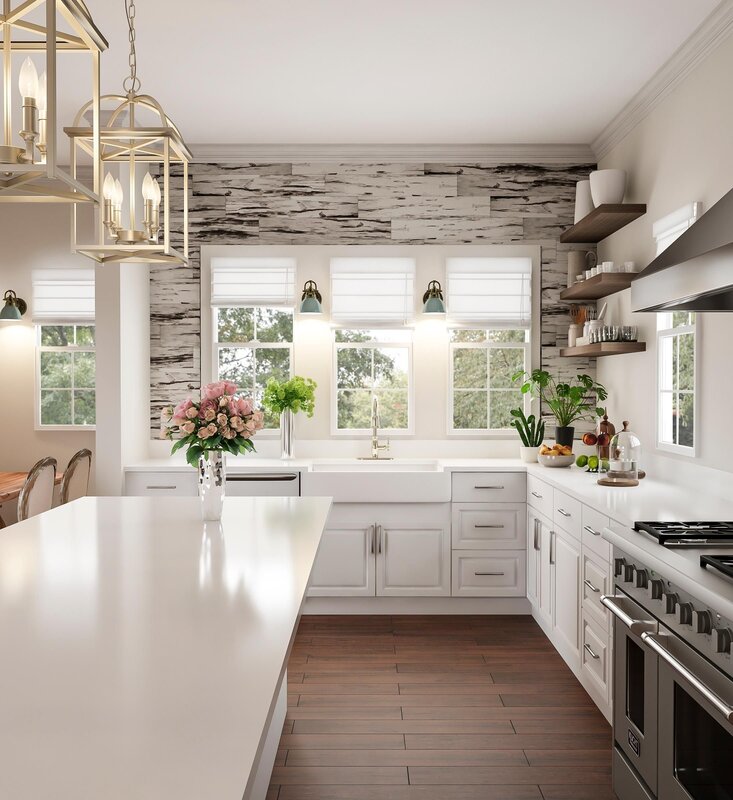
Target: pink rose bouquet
<point x="218" y="421"/>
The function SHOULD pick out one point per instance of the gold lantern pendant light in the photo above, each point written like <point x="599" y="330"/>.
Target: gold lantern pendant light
<point x="138" y="146"/>
<point x="52" y="35"/>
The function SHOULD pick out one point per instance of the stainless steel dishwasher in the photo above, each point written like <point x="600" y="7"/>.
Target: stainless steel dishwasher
<point x="263" y="484"/>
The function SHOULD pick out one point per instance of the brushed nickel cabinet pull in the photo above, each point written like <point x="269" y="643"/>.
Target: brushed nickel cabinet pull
<point x="488" y="573"/>
<point x="488" y="487"/>
<point x="552" y="547"/>
<point x="564" y="512"/>
<point x="379" y="539"/>
<point x="537" y="495"/>
<point x="591" y="531"/>
<point x="372" y="529"/>
<point x="588" y="649"/>
<point x="536" y="534"/>
<point x="161" y="487"/>
<point x="591" y="586"/>
<point x="488" y="526"/>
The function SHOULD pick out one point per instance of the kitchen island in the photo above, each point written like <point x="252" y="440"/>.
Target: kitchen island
<point x="144" y="651"/>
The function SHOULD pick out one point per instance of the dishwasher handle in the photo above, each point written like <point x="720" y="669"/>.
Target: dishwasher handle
<point x="263" y="476"/>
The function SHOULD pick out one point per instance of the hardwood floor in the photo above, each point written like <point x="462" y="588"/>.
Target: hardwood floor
<point x="437" y="708"/>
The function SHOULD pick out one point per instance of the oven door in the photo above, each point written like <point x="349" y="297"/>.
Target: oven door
<point x="634" y="686"/>
<point x="695" y="723"/>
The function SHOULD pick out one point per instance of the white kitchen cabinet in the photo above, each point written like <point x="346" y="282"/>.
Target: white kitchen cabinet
<point x="480" y="573"/>
<point x="546" y="574"/>
<point x="533" y="557"/>
<point x="565" y="566"/>
<point x="393" y="550"/>
<point x="161" y="484"/>
<point x="489" y="487"/>
<point x="596" y="662"/>
<point x="490" y="526"/>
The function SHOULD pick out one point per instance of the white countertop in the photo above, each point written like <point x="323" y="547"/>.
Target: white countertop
<point x="142" y="650"/>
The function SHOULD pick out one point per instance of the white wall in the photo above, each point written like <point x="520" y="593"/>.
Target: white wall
<point x="33" y="236"/>
<point x="681" y="152"/>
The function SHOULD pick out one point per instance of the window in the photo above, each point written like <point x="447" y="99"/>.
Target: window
<point x="369" y="364"/>
<point x="63" y="310"/>
<point x="676" y="333"/>
<point x="254" y="344"/>
<point x="66" y="375"/>
<point x="482" y="363"/>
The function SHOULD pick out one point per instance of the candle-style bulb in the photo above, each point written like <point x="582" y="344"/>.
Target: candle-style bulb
<point x="109" y="189"/>
<point x="42" y="102"/>
<point x="28" y="80"/>
<point x="156" y="189"/>
<point x="119" y="195"/>
<point x="148" y="191"/>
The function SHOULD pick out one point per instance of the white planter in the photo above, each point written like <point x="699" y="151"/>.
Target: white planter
<point x="608" y="186"/>
<point x="583" y="200"/>
<point x="528" y="454"/>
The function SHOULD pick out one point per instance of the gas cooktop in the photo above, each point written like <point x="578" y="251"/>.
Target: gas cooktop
<point x="689" y="534"/>
<point x="722" y="563"/>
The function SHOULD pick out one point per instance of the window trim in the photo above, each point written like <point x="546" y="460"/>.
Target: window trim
<point x="39" y="348"/>
<point x="364" y="433"/>
<point x="489" y="433"/>
<point x="669" y="447"/>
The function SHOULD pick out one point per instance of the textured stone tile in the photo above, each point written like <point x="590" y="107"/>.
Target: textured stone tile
<point x="425" y="207"/>
<point x="223" y="171"/>
<point x="480" y="230"/>
<point x="395" y="186"/>
<point x="287" y="230"/>
<point x="365" y="168"/>
<point x="257" y="205"/>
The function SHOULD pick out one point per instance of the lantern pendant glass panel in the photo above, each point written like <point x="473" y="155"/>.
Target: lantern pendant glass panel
<point x="144" y="178"/>
<point x="50" y="49"/>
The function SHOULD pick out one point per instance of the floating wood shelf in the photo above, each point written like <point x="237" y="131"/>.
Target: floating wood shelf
<point x="600" y="285"/>
<point x="603" y="349"/>
<point x="602" y="222"/>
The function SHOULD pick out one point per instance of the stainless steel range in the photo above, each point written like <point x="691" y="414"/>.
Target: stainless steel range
<point x="673" y="676"/>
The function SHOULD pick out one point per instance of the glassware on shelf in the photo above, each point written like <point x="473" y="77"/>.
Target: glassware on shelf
<point x="629" y="333"/>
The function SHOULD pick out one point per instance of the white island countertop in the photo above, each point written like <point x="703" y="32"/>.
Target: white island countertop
<point x="142" y="650"/>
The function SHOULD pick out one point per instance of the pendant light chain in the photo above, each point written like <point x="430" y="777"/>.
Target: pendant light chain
<point x="131" y="84"/>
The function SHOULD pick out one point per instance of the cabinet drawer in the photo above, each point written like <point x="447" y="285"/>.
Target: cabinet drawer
<point x="539" y="495"/>
<point x="596" y="577"/>
<point x="476" y="574"/>
<point x="489" y="526"/>
<point x="593" y="524"/>
<point x="567" y="513"/>
<point x="595" y="665"/>
<point x="489" y="487"/>
<point x="161" y="484"/>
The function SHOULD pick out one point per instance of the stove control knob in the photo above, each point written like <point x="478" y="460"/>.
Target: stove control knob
<point x="642" y="578"/>
<point x="629" y="571"/>
<point x="702" y="621"/>
<point x="670" y="602"/>
<point x="654" y="589"/>
<point x="618" y="566"/>
<point x="684" y="613"/>
<point x="722" y="640"/>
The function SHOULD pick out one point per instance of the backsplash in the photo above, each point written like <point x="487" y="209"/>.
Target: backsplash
<point x="360" y="204"/>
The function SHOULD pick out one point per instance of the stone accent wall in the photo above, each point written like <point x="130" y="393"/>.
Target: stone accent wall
<point x="360" y="204"/>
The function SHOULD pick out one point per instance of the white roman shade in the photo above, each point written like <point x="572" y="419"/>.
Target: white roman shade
<point x="372" y="292"/>
<point x="63" y="296"/>
<point x="671" y="227"/>
<point x="489" y="292"/>
<point x="252" y="282"/>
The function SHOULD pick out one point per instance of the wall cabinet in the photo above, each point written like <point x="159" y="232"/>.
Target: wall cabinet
<point x="388" y="550"/>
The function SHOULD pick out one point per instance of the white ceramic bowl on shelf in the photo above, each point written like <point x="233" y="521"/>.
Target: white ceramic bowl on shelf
<point x="608" y="186"/>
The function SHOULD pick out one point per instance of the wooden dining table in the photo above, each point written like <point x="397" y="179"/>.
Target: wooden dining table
<point x="10" y="485"/>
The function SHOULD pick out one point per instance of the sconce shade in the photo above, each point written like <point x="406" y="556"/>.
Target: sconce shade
<point x="311" y="299"/>
<point x="433" y="302"/>
<point x="14" y="307"/>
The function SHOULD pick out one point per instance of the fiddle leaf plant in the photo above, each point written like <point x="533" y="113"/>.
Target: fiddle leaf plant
<point x="531" y="431"/>
<point x="568" y="402"/>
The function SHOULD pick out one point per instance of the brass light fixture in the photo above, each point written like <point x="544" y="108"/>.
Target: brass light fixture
<point x="433" y="302"/>
<point x="311" y="299"/>
<point x="14" y="307"/>
<point x="48" y="34"/>
<point x="138" y="146"/>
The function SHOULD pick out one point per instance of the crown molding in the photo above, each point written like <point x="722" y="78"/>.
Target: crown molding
<point x="403" y="153"/>
<point x="713" y="31"/>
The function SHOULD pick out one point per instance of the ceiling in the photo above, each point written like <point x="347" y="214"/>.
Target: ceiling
<point x="393" y="71"/>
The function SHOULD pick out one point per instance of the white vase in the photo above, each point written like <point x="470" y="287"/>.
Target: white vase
<point x="528" y="454"/>
<point x="583" y="200"/>
<point x="287" y="431"/>
<point x="212" y="484"/>
<point x="608" y="186"/>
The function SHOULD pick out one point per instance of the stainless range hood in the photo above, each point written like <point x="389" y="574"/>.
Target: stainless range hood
<point x="695" y="273"/>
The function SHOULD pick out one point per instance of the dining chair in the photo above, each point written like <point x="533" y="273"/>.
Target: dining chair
<point x="75" y="482"/>
<point x="36" y="496"/>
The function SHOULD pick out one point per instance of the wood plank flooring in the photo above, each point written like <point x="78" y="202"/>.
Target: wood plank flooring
<point x="436" y="708"/>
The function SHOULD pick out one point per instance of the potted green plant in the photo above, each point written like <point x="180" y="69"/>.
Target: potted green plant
<point x="287" y="398"/>
<point x="568" y="402"/>
<point x="531" y="431"/>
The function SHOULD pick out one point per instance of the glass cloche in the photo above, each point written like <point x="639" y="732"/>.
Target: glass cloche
<point x="624" y="455"/>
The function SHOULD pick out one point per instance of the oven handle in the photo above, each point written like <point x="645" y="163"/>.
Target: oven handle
<point x="656" y="644"/>
<point x="636" y="626"/>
